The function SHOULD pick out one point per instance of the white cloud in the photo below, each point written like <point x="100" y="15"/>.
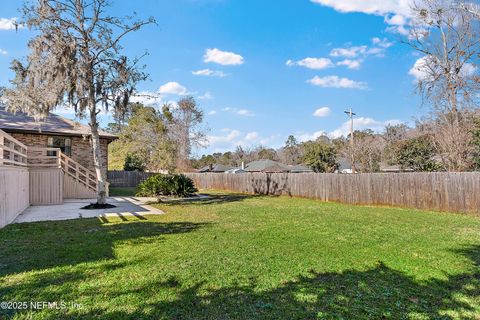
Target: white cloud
<point x="3" y="52"/>
<point x="378" y="49"/>
<point x="350" y="52"/>
<point x="362" y="123"/>
<point x="209" y="73"/>
<point x="350" y="64"/>
<point x="312" y="63"/>
<point x="344" y="129"/>
<point x="337" y="82"/>
<point x="206" y="96"/>
<point x="212" y="112"/>
<point x="396" y="20"/>
<point x="228" y="136"/>
<point x="9" y="24"/>
<point x="376" y="7"/>
<point x="229" y="139"/>
<point x="397" y="13"/>
<point x="469" y="69"/>
<point x="382" y="43"/>
<point x="420" y="70"/>
<point x="322" y="112"/>
<point x="251" y="136"/>
<point x="222" y="57"/>
<point x="173" y="88"/>
<point x="302" y="137"/>
<point x="240" y="112"/>
<point x="244" y="112"/>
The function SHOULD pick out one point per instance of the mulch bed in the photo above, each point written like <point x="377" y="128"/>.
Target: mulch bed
<point x="96" y="206"/>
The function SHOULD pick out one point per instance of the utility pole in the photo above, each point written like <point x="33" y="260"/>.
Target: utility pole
<point x="350" y="115"/>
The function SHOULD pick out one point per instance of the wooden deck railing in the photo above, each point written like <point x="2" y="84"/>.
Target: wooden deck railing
<point x="15" y="153"/>
<point x="78" y="172"/>
<point x="12" y="151"/>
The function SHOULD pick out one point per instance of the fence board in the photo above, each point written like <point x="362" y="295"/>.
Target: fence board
<point x="127" y="178"/>
<point x="46" y="186"/>
<point x="440" y="191"/>
<point x="14" y="190"/>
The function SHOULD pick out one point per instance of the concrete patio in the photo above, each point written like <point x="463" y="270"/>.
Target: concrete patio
<point x="70" y="209"/>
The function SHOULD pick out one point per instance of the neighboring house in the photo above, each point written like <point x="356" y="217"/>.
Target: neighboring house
<point x="215" y="168"/>
<point x="393" y="168"/>
<point x="344" y="166"/>
<point x="300" y="168"/>
<point x="271" y="166"/>
<point x="235" y="170"/>
<point x="55" y="131"/>
<point x="267" y="166"/>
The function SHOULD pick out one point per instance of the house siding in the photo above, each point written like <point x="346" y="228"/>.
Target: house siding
<point x="81" y="148"/>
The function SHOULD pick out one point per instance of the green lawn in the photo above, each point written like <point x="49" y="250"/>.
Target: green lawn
<point x="122" y="192"/>
<point x="245" y="257"/>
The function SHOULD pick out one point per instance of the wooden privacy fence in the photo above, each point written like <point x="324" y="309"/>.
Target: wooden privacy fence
<point x="127" y="179"/>
<point x="442" y="191"/>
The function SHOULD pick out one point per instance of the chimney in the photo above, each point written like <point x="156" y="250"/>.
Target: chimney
<point x="243" y="165"/>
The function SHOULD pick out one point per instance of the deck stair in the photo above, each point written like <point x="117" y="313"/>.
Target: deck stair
<point x="46" y="165"/>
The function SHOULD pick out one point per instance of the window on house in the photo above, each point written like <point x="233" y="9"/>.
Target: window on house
<point x="65" y="145"/>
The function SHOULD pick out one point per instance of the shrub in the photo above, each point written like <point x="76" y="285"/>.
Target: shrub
<point x="133" y="163"/>
<point x="417" y="154"/>
<point x="166" y="185"/>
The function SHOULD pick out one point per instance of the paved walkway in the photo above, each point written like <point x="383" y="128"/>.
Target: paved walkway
<point x="70" y="209"/>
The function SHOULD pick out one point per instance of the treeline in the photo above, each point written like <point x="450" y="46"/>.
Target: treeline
<point x="152" y="139"/>
<point x="441" y="142"/>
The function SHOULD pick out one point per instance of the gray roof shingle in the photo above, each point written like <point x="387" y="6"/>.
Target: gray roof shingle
<point x="53" y="124"/>
<point x="261" y="165"/>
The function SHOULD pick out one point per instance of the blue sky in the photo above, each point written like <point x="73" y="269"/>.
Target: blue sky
<point x="263" y="70"/>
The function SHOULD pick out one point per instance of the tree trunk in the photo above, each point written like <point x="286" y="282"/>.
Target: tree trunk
<point x="97" y="160"/>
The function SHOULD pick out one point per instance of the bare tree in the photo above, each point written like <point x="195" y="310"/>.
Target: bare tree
<point x="452" y="137"/>
<point x="367" y="150"/>
<point x="185" y="120"/>
<point x="448" y="34"/>
<point x="75" y="59"/>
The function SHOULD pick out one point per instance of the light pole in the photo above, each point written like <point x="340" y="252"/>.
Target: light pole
<point x="350" y="115"/>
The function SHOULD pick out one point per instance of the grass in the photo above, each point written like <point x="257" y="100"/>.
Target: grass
<point x="245" y="257"/>
<point x="122" y="192"/>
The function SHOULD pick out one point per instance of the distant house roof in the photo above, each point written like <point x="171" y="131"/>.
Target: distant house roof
<point x="266" y="166"/>
<point x="344" y="164"/>
<point x="393" y="168"/>
<point x="300" y="168"/>
<point x="215" y="168"/>
<point x="52" y="124"/>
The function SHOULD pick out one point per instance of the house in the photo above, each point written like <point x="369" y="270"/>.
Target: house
<point x="46" y="162"/>
<point x="266" y="165"/>
<point x="71" y="137"/>
<point x="344" y="166"/>
<point x="393" y="168"/>
<point x="300" y="168"/>
<point x="235" y="171"/>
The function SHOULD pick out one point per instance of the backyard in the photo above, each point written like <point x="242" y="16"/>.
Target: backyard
<point x="235" y="256"/>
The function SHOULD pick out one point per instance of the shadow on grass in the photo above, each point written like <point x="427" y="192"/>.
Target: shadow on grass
<point x="210" y="199"/>
<point x="378" y="293"/>
<point x="41" y="245"/>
